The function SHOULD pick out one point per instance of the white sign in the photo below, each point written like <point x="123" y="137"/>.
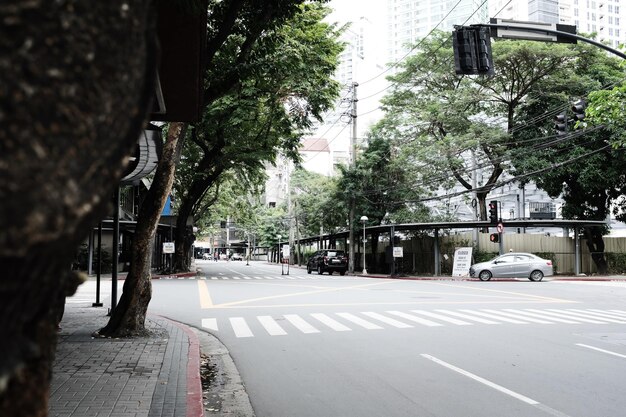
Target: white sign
<point x="462" y="262"/>
<point x="286" y="251"/>
<point x="397" y="252"/>
<point x="168" y="247"/>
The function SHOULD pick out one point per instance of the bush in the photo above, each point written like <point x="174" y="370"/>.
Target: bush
<point x="616" y="262"/>
<point x="82" y="260"/>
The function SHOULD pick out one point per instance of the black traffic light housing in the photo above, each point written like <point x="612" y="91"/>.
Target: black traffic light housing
<point x="472" y="50"/>
<point x="579" y="111"/>
<point x="494" y="237"/>
<point x="493" y="212"/>
<point x="560" y="123"/>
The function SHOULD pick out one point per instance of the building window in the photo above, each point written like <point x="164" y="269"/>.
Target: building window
<point x="272" y="204"/>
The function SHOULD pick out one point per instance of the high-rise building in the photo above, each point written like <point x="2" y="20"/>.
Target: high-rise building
<point x="408" y="21"/>
<point x="602" y="17"/>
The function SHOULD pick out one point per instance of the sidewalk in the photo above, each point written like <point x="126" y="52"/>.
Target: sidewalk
<point x="155" y="376"/>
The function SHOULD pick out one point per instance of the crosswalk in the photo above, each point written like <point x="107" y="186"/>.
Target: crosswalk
<point x="282" y="325"/>
<point x="86" y="293"/>
<point x="261" y="277"/>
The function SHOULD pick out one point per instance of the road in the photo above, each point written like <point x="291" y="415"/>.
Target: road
<point x="310" y="345"/>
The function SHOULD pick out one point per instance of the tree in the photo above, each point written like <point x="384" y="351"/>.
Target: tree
<point x="455" y="125"/>
<point x="282" y="86"/>
<point x="233" y="25"/>
<point x="580" y="166"/>
<point x="315" y="206"/>
<point x="68" y="128"/>
<point x="383" y="186"/>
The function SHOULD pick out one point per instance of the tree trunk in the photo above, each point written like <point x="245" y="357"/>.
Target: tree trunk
<point x="595" y="243"/>
<point x="77" y="82"/>
<point x="129" y="316"/>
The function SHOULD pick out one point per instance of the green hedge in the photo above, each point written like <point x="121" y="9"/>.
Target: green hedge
<point x="616" y="262"/>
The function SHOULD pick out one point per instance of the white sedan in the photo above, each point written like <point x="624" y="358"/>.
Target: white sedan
<point x="513" y="265"/>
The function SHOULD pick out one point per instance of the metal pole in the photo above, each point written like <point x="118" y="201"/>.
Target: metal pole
<point x="577" y="252"/>
<point x="90" y="253"/>
<point x="437" y="256"/>
<point x="98" y="267"/>
<point x="393" y="260"/>
<point x="352" y="198"/>
<point x="114" y="250"/>
<point x="364" y="269"/>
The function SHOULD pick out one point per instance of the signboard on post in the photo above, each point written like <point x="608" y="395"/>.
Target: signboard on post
<point x="462" y="262"/>
<point x="398" y="252"/>
<point x="286" y="251"/>
<point x="168" y="247"/>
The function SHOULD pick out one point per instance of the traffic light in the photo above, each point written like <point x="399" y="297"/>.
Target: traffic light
<point x="579" y="111"/>
<point x="472" y="51"/>
<point x="560" y="123"/>
<point x="493" y="212"/>
<point x="222" y="224"/>
<point x="494" y="237"/>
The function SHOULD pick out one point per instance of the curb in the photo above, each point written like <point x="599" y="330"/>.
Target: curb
<point x="194" y="385"/>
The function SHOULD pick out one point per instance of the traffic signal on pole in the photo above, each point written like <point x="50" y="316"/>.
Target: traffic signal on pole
<point x="579" y="111"/>
<point x="222" y="224"/>
<point x="493" y="212"/>
<point x="560" y="123"/>
<point x="494" y="237"/>
<point x="472" y="51"/>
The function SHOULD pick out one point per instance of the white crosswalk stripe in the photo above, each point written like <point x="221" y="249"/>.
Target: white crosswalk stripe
<point x="369" y="320"/>
<point x="271" y="326"/>
<point x="240" y="327"/>
<point x="332" y="323"/>
<point x="300" y="324"/>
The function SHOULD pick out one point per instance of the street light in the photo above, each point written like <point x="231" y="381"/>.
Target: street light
<point x="364" y="220"/>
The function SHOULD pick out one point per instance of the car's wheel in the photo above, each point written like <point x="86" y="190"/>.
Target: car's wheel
<point x="536" y="275"/>
<point x="484" y="275"/>
<point x="342" y="272"/>
<point x="319" y="270"/>
<point x="308" y="269"/>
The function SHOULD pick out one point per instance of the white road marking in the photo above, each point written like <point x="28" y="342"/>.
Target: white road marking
<point x="442" y="318"/>
<point x="599" y="316"/>
<point x="549" y="314"/>
<point x="332" y="323"/>
<point x="602" y="350"/>
<point x="300" y="324"/>
<point x="415" y="319"/>
<point x="482" y="380"/>
<point x="240" y="327"/>
<point x="359" y="321"/>
<point x="210" y="324"/>
<point x="387" y="320"/>
<point x="271" y="326"/>
<point x="467" y="316"/>
<point x="575" y="316"/>
<point x="537" y="317"/>
<point x="496" y="316"/>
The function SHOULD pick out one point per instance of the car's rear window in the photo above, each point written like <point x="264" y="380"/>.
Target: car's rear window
<point x="335" y="253"/>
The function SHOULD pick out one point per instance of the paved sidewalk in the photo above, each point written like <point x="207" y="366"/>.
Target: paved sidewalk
<point x="156" y="376"/>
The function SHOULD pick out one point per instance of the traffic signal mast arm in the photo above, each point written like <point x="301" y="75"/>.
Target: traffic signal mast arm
<point x="565" y="35"/>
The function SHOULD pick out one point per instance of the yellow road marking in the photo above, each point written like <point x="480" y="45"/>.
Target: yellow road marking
<point x="205" y="296"/>
<point x="386" y="303"/>
<point x="271" y="297"/>
<point x="550" y="299"/>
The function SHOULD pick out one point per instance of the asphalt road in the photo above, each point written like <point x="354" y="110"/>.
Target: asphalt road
<point x="310" y="345"/>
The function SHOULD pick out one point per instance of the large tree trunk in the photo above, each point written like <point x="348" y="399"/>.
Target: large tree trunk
<point x="129" y="316"/>
<point x="77" y="81"/>
<point x="595" y="243"/>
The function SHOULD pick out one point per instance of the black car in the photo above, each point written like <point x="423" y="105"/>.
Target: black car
<point x="328" y="260"/>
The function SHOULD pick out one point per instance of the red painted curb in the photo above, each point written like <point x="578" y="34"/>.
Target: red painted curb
<point x="194" y="384"/>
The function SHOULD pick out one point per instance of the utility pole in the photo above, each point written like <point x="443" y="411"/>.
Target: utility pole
<point x="352" y="197"/>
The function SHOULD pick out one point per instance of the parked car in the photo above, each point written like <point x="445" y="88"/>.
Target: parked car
<point x="328" y="260"/>
<point x="236" y="257"/>
<point x="518" y="265"/>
